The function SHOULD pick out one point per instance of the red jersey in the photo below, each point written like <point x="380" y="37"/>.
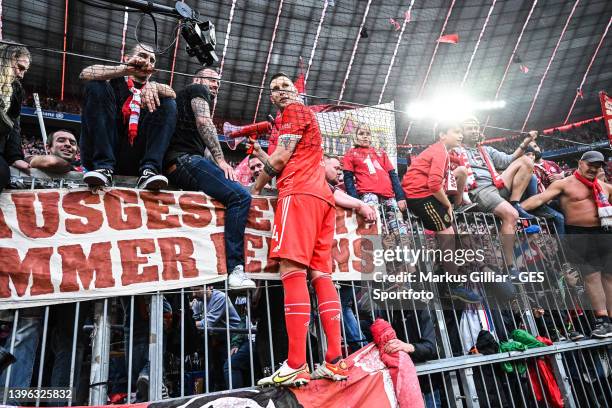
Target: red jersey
<point x="427" y="171"/>
<point x="371" y="168"/>
<point x="305" y="171"/>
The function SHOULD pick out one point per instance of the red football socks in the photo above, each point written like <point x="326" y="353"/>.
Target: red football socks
<point x="329" y="313"/>
<point x="297" y="316"/>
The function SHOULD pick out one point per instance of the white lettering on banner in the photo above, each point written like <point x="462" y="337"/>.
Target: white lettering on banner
<point x="75" y="244"/>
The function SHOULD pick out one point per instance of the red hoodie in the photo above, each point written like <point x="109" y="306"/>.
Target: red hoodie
<point x="427" y="171"/>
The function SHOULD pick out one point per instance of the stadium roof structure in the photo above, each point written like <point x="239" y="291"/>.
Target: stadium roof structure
<point x="361" y="51"/>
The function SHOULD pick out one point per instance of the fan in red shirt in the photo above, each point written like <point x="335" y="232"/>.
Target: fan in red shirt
<point x="370" y="176"/>
<point x="302" y="236"/>
<point x="424" y="186"/>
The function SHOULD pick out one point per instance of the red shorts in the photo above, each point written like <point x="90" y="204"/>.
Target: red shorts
<point x="303" y="231"/>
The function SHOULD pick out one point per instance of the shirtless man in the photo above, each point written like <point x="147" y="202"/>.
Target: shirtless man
<point x="586" y="204"/>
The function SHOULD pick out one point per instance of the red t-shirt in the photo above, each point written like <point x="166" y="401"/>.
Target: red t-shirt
<point x="427" y="172"/>
<point x="371" y="168"/>
<point x="305" y="171"/>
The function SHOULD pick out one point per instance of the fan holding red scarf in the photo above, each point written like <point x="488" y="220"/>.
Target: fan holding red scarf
<point x="585" y="201"/>
<point x="496" y="181"/>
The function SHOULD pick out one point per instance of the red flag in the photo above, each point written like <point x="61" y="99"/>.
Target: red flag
<point x="299" y="81"/>
<point x="449" y="38"/>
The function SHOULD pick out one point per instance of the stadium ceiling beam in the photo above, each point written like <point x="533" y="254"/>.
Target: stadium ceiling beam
<point x="350" y="65"/>
<point x="124" y="32"/>
<point x="316" y="42"/>
<point x="392" y="63"/>
<point x="518" y="42"/>
<point x="579" y="89"/>
<point x="550" y="61"/>
<point x="484" y="27"/>
<point x="431" y="61"/>
<point x="67" y="4"/>
<point x="263" y="79"/>
<point x="1" y="20"/>
<point x="225" y="46"/>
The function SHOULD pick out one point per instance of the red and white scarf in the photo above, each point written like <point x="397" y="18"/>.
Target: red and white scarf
<point x="470" y="183"/>
<point x="131" y="110"/>
<point x="604" y="208"/>
<point x="497" y="180"/>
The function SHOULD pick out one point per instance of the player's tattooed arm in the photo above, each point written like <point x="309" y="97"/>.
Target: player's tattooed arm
<point x="206" y="128"/>
<point x="276" y="161"/>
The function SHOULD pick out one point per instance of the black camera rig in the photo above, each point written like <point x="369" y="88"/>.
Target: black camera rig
<point x="199" y="35"/>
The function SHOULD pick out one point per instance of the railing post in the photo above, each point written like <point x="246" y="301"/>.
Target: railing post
<point x="100" y="354"/>
<point x="156" y="347"/>
<point x="556" y="361"/>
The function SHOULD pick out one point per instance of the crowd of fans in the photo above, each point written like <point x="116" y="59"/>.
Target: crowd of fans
<point x="171" y="137"/>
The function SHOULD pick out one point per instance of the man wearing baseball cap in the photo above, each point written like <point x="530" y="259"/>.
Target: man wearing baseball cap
<point x="588" y="214"/>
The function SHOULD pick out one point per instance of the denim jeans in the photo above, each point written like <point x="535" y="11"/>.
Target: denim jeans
<point x="558" y="217"/>
<point x="197" y="173"/>
<point x="241" y="364"/>
<point x="354" y="337"/>
<point x="432" y="399"/>
<point x="61" y="347"/>
<point x="103" y="147"/>
<point x="26" y="344"/>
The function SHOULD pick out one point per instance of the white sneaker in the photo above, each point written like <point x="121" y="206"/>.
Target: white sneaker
<point x="238" y="279"/>
<point x="287" y="376"/>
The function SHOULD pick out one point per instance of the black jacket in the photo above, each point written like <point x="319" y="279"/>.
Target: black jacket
<point x="10" y="143"/>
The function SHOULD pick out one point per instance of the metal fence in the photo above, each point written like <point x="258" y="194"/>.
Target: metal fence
<point x="151" y="346"/>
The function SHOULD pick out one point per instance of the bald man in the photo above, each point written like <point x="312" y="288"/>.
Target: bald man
<point x="194" y="161"/>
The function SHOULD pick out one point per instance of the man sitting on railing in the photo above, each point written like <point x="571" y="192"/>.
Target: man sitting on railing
<point x="194" y="161"/>
<point x="118" y="136"/>
<point x="424" y="185"/>
<point x="62" y="147"/>
<point x="492" y="191"/>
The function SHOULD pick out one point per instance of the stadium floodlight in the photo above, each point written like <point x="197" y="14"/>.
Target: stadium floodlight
<point x="450" y="106"/>
<point x="199" y="35"/>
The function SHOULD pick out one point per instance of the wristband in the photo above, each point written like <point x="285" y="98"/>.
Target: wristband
<point x="270" y="171"/>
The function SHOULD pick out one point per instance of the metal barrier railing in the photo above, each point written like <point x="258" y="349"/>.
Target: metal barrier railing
<point x="151" y="344"/>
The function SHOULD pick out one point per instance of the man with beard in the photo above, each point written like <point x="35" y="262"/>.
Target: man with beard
<point x="493" y="192"/>
<point x="118" y="137"/>
<point x="302" y="236"/>
<point x="194" y="161"/>
<point x="62" y="147"/>
<point x="585" y="201"/>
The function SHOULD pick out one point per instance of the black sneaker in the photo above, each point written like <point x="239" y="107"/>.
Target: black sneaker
<point x="602" y="329"/>
<point x="142" y="387"/>
<point x="575" y="335"/>
<point x="150" y="180"/>
<point x="100" y="177"/>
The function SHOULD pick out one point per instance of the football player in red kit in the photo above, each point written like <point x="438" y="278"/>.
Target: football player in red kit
<point x="370" y="176"/>
<point x="302" y="236"/>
